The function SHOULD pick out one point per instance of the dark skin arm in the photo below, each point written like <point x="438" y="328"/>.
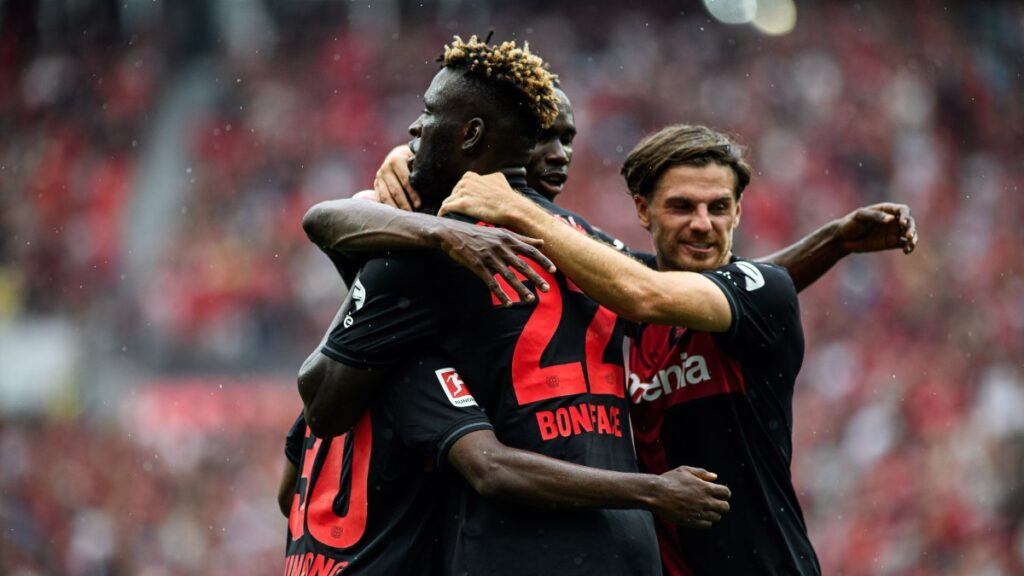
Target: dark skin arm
<point x="684" y="495"/>
<point x="334" y="395"/>
<point x="286" y="489"/>
<point x="884" y="226"/>
<point x="340" y="227"/>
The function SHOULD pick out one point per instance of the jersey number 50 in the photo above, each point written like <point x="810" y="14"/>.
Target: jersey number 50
<point x="333" y="504"/>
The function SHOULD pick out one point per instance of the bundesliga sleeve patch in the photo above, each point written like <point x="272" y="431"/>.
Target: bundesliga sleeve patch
<point x="456" y="390"/>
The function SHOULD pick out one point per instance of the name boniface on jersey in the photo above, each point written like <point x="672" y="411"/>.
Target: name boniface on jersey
<point x="582" y="418"/>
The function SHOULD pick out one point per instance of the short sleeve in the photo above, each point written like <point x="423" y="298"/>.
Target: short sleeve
<point x="393" y="308"/>
<point x="765" y="309"/>
<point x="433" y="407"/>
<point x="293" y="442"/>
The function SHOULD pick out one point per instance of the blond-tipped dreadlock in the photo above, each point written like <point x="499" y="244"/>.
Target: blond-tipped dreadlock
<point x="506" y="63"/>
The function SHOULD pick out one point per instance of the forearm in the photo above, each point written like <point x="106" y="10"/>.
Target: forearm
<point x="811" y="257"/>
<point x="517" y="475"/>
<point x="624" y="285"/>
<point x="345" y="226"/>
<point x="286" y="489"/>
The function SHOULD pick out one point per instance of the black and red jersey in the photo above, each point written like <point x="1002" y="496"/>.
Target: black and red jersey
<point x="723" y="402"/>
<point x="366" y="502"/>
<point x="549" y="375"/>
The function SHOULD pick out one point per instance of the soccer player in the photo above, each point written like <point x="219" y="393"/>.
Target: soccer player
<point x="557" y="395"/>
<point x="716" y="350"/>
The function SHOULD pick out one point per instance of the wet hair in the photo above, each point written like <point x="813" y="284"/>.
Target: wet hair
<point x="516" y="74"/>
<point x="682" y="145"/>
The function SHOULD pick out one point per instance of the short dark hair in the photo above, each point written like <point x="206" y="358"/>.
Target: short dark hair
<point x="686" y="145"/>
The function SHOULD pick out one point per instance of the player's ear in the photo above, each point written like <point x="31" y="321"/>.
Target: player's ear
<point x="642" y="211"/>
<point x="473" y="134"/>
<point x="739" y="212"/>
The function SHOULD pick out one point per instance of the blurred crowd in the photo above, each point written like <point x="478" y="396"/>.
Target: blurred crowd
<point x="909" y="413"/>
<point x="182" y="484"/>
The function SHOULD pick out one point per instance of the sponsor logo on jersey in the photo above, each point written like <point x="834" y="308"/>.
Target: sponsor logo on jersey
<point x="358" y="294"/>
<point x="456" y="390"/>
<point x="754" y="277"/>
<point x="690" y="371"/>
<point x="670" y="368"/>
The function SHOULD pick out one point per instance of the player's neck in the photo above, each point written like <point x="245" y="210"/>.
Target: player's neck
<point x="515" y="174"/>
<point x="514" y="171"/>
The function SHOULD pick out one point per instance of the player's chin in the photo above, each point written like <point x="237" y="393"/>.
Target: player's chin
<point x="696" y="261"/>
<point x="549" y="190"/>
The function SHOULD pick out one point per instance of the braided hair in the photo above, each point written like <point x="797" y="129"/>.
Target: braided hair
<point x="507" y="67"/>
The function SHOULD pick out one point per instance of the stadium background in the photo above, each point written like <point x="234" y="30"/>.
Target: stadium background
<point x="157" y="293"/>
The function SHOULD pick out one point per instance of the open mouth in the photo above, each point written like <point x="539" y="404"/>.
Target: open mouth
<point x="554" y="179"/>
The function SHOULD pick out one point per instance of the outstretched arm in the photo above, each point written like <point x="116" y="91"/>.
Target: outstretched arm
<point x="616" y="281"/>
<point x="684" y="495"/>
<point x="884" y="226"/>
<point x="341" y="227"/>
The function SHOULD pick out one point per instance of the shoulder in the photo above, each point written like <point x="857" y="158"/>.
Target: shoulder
<point x="398" y="265"/>
<point x="762" y="298"/>
<point x="748" y="276"/>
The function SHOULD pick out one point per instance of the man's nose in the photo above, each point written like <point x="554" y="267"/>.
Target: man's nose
<point x="701" y="220"/>
<point x="557" y="154"/>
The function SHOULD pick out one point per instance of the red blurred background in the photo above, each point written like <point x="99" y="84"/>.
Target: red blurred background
<point x="157" y="293"/>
